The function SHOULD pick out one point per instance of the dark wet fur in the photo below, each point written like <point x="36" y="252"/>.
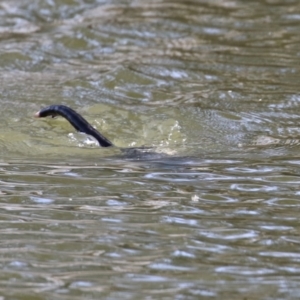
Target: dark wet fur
<point x="82" y="125"/>
<point x="142" y="152"/>
<point x="78" y="122"/>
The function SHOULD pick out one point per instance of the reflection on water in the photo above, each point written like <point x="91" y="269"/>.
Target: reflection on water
<point x="212" y="87"/>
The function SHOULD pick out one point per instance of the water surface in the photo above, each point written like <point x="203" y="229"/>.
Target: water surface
<point x="213" y="87"/>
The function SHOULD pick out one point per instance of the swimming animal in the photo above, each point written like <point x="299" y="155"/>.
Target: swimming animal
<point x="76" y="120"/>
<point x="82" y="125"/>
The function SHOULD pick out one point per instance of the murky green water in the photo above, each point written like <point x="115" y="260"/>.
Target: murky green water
<point x="213" y="87"/>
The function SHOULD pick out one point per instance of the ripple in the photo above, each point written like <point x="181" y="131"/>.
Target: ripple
<point x="214" y="215"/>
<point x="244" y="271"/>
